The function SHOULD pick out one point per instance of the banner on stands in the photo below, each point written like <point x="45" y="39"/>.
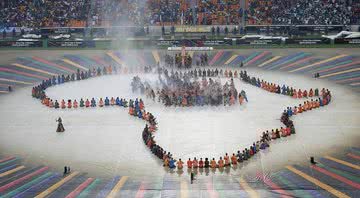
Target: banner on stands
<point x="309" y="41"/>
<point x="258" y="42"/>
<point x="78" y="44"/>
<point x="20" y="43"/>
<point x="191" y="48"/>
<point x="351" y="41"/>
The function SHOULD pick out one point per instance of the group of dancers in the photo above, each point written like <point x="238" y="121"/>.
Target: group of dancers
<point x="184" y="89"/>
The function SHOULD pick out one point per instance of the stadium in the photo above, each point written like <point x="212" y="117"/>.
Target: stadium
<point x="186" y="98"/>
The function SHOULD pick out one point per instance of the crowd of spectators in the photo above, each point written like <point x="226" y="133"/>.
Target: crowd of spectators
<point x="43" y="13"/>
<point x="169" y="12"/>
<point x="304" y="12"/>
<point x="48" y="13"/>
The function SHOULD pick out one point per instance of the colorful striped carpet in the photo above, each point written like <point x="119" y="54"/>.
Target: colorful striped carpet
<point x="331" y="177"/>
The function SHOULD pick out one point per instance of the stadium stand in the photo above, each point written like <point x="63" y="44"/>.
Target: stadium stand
<point x="27" y="13"/>
<point x="305" y="12"/>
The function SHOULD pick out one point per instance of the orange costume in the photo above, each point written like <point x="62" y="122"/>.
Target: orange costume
<point x="75" y="104"/>
<point x="69" y="104"/>
<point x="305" y="106"/>
<point x="305" y="94"/>
<point x="227" y="160"/>
<point x="299" y="94"/>
<point x="166" y="162"/>
<point x="300" y="109"/>
<point x="213" y="163"/>
<point x="101" y="102"/>
<point x="195" y="163"/>
<point x="311" y="93"/>
<point x="309" y="105"/>
<point x="189" y="163"/>
<point x="241" y="100"/>
<point x="63" y="104"/>
<point x="141" y="105"/>
<point x="313" y="104"/>
<point x="325" y="101"/>
<point x="288" y="131"/>
<point x="233" y="159"/>
<point x="221" y="163"/>
<point x="51" y="104"/>
<point x="294" y="94"/>
<point x="131" y="110"/>
<point x="112" y="101"/>
<point x="144" y="115"/>
<point x="87" y="103"/>
<point x="46" y="101"/>
<point x="179" y="164"/>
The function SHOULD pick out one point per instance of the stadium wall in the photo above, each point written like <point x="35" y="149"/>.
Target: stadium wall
<point x="161" y="44"/>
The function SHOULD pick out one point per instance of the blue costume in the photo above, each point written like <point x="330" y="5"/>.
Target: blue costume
<point x="283" y="90"/>
<point x="254" y="147"/>
<point x="62" y="79"/>
<point x="121" y="102"/>
<point x="244" y="95"/>
<point x="172" y="163"/>
<point x="140" y="114"/>
<point x="321" y="102"/>
<point x="258" y="83"/>
<point x="107" y="101"/>
<point x="117" y="101"/>
<point x="289" y="112"/>
<point x="198" y="100"/>
<point x="93" y="102"/>
<point x="136" y="102"/>
<point x="137" y="107"/>
<point x="263" y="145"/>
<point x="54" y="80"/>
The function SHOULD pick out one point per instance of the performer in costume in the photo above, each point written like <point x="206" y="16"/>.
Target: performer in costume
<point x="107" y="101"/>
<point x="63" y="106"/>
<point x="180" y="164"/>
<point x="82" y="103"/>
<point x="75" y="104"/>
<point x="60" y="127"/>
<point x="101" y="102"/>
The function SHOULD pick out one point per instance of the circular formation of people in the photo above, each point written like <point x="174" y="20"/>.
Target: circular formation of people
<point x="195" y="87"/>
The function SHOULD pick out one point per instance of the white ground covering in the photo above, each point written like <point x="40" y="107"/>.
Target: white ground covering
<point x="107" y="141"/>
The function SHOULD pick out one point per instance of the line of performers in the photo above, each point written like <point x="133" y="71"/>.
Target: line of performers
<point x="39" y="91"/>
<point x="90" y="103"/>
<point x="284" y="90"/>
<point x="264" y="142"/>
